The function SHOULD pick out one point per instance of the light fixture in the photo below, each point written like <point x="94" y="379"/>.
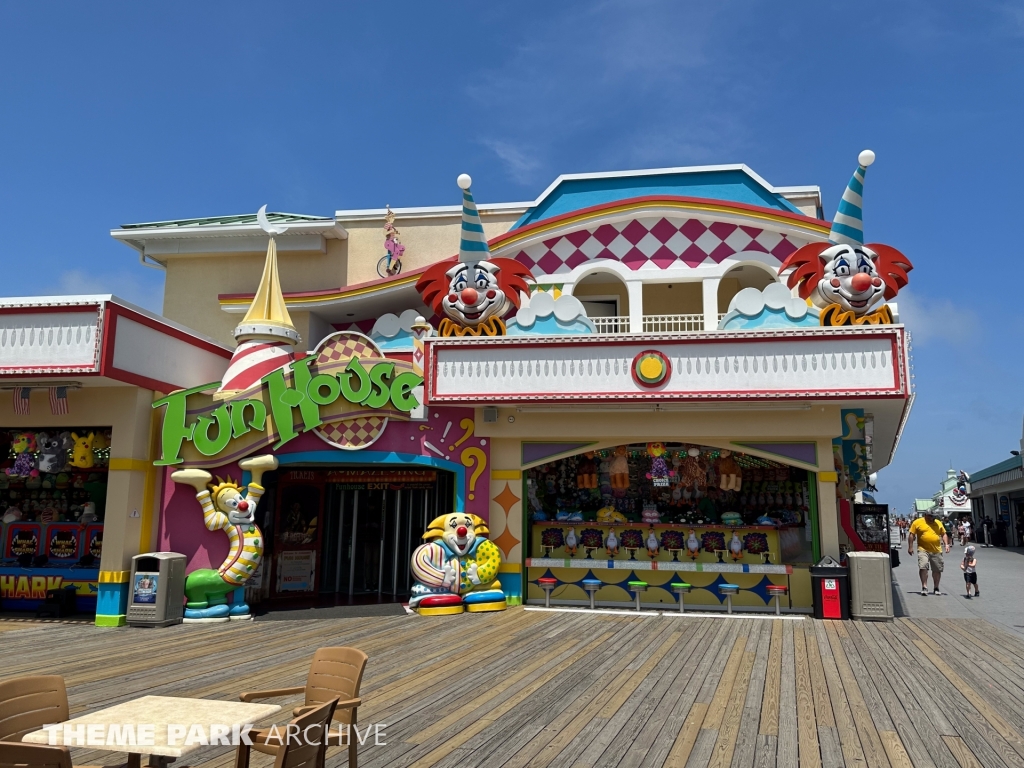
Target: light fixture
<point x="1015" y="453"/>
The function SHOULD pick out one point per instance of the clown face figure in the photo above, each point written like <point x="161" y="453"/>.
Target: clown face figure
<point x="851" y="279"/>
<point x="474" y="295"/>
<point x="230" y="501"/>
<point x="459" y="533"/>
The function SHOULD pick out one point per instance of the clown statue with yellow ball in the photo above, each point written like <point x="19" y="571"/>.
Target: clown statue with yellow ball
<point x="457" y="568"/>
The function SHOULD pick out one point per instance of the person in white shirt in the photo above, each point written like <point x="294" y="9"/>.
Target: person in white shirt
<point x="969" y="565"/>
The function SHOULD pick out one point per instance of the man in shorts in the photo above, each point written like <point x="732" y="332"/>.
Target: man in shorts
<point x="931" y="537"/>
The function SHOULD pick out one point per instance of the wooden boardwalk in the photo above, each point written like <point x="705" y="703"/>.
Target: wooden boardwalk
<point x="527" y="688"/>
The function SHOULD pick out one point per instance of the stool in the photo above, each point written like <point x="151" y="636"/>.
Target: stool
<point x="638" y="587"/>
<point x="777" y="591"/>
<point x="592" y="585"/>
<point x="547" y="584"/>
<point x="729" y="590"/>
<point x="681" y="588"/>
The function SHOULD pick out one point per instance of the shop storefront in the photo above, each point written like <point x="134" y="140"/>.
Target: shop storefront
<point x="78" y="491"/>
<point x="714" y="430"/>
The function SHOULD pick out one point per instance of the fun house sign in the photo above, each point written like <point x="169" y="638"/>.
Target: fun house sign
<point x="201" y="429"/>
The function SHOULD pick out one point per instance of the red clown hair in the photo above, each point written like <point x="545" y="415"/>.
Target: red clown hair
<point x="511" y="276"/>
<point x="809" y="269"/>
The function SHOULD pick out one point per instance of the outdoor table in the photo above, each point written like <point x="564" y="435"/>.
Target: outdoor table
<point x="160" y="712"/>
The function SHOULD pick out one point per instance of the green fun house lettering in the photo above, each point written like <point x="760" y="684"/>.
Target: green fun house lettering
<point x="300" y="401"/>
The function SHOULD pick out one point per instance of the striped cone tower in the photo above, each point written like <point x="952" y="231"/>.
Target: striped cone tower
<point x="472" y="244"/>
<point x="266" y="337"/>
<point x="848" y="225"/>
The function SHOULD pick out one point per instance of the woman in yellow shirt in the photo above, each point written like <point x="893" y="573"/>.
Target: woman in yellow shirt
<point x="931" y="537"/>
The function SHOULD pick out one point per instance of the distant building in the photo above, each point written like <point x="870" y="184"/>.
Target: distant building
<point x="998" y="492"/>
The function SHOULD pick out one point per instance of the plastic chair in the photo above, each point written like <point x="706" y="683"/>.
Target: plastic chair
<point x="305" y="749"/>
<point x="29" y="703"/>
<point x="33" y="756"/>
<point x="335" y="674"/>
<point x="776" y="591"/>
<point x="638" y="587"/>
<point x="728" y="590"/>
<point x="592" y="585"/>
<point x="681" y="588"/>
<point x="547" y="584"/>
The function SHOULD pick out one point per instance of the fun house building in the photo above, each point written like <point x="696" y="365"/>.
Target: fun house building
<point x="669" y="375"/>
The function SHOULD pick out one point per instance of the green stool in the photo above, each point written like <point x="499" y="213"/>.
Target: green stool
<point x="637" y="587"/>
<point x="681" y="588"/>
<point x="729" y="590"/>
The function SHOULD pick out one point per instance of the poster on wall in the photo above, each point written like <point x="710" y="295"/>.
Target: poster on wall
<point x="295" y="571"/>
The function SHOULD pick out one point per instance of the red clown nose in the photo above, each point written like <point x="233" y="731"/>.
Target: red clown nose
<point x="861" y="281"/>
<point x="243" y="506"/>
<point x="469" y="295"/>
<point x="461" y="531"/>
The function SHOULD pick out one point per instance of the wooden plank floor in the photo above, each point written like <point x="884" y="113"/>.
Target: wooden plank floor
<point x="526" y="689"/>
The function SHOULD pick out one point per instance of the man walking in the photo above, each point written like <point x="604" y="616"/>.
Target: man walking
<point x="931" y="537"/>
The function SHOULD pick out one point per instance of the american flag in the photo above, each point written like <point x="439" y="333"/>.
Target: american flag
<point x="22" y="400"/>
<point x="59" y="401"/>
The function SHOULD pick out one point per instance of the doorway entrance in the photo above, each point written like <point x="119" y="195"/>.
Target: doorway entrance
<point x="347" y="536"/>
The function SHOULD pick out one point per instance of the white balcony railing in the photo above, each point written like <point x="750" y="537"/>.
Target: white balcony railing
<point x="614" y="324"/>
<point x="673" y="323"/>
<point x="617" y="324"/>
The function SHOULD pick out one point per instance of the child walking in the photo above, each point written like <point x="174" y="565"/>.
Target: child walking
<point x="969" y="565"/>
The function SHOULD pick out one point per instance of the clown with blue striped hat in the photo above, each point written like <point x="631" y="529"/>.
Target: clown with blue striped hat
<point x="848" y="280"/>
<point x="474" y="293"/>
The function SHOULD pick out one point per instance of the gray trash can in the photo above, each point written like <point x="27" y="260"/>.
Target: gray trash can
<point x="870" y="585"/>
<point x="156" y="589"/>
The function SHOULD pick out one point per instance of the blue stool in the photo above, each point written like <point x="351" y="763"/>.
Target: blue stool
<point x="592" y="585"/>
<point x="681" y="588"/>
<point x="638" y="587"/>
<point x="728" y="590"/>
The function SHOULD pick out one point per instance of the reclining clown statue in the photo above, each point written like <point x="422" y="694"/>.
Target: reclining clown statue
<point x="476" y="292"/>
<point x="457" y="568"/>
<point x="848" y="280"/>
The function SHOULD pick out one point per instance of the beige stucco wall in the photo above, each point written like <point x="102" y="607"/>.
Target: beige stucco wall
<point x="128" y="411"/>
<point x="426" y="241"/>
<point x="194" y="281"/>
<point x="679" y="299"/>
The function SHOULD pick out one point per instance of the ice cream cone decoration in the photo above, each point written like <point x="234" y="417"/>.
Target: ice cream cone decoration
<point x="266" y="336"/>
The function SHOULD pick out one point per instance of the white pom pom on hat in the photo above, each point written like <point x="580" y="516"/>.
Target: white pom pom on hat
<point x="464" y="181"/>
<point x="865" y="158"/>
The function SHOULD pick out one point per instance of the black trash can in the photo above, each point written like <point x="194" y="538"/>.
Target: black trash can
<point x="830" y="589"/>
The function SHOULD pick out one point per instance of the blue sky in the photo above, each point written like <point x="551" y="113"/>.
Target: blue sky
<point x="116" y="113"/>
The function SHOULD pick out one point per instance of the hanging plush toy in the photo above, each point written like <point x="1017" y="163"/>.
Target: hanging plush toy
<point x="82" y="455"/>
<point x="586" y="471"/>
<point x="729" y="471"/>
<point x="659" y="469"/>
<point x="620" y="469"/>
<point x="24" y="446"/>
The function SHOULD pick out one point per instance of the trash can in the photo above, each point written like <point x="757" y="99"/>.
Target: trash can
<point x="830" y="589"/>
<point x="870" y="586"/>
<point x="156" y="589"/>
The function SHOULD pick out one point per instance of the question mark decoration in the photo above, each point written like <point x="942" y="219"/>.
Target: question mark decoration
<point x="472" y="456"/>
<point x="466" y="424"/>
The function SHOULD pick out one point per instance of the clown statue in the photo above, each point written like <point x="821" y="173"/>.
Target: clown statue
<point x="457" y="569"/>
<point x="848" y="280"/>
<point x="226" y="508"/>
<point x="475" y="293"/>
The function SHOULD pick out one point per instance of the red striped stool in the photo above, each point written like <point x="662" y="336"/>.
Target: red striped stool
<point x="776" y="591"/>
<point x="547" y="584"/>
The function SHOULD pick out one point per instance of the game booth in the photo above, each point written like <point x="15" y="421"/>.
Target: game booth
<point x="493" y="443"/>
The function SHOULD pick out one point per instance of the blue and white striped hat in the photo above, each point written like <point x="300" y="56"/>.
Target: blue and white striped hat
<point x="473" y="245"/>
<point x="848" y="225"/>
